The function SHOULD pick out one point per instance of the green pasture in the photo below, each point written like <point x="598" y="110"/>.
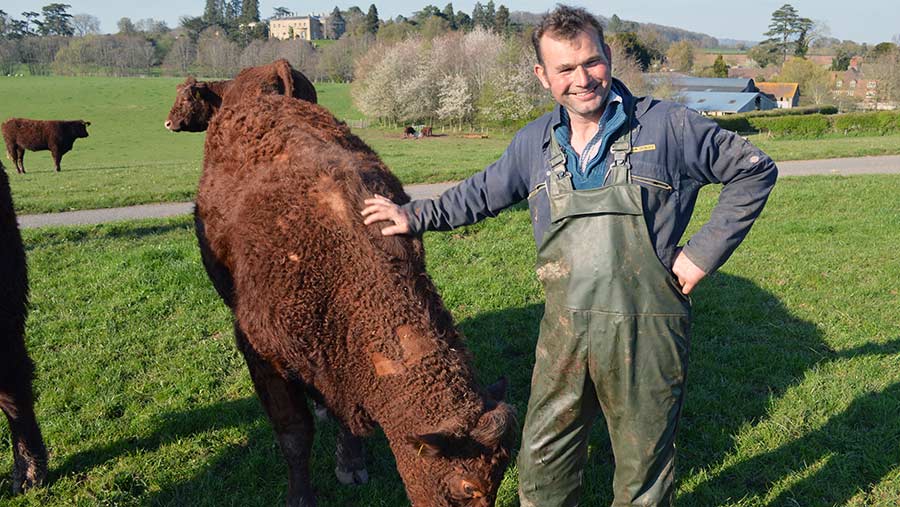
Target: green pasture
<point x="793" y="391"/>
<point x="130" y="158"/>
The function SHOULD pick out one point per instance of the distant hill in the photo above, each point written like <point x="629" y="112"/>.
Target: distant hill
<point x="733" y="43"/>
<point x="670" y="33"/>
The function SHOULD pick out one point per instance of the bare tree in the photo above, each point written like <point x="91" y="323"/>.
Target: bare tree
<point x="181" y="56"/>
<point x="85" y="24"/>
<point x="9" y="57"/>
<point x="216" y="55"/>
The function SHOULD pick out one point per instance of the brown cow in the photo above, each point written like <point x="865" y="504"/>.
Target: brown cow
<point x="198" y="101"/>
<point x="22" y="134"/>
<point x="427" y="132"/>
<point x="326" y="307"/>
<point x="16" y="369"/>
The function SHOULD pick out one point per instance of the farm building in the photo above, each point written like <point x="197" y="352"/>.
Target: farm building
<point x="721" y="103"/>
<point x="296" y="27"/>
<point x="786" y="95"/>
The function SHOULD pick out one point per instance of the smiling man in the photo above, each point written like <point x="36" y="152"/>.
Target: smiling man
<point x="611" y="181"/>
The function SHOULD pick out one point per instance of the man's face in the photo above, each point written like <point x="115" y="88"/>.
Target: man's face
<point x="577" y="72"/>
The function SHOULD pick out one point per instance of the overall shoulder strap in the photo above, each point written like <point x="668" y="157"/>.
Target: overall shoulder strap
<point x="620" y="169"/>
<point x="557" y="157"/>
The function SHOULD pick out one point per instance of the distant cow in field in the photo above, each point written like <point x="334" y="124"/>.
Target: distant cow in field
<point x="328" y="308"/>
<point x="16" y="369"/>
<point x="198" y="101"/>
<point x="409" y="132"/>
<point x="427" y="132"/>
<point x="22" y="134"/>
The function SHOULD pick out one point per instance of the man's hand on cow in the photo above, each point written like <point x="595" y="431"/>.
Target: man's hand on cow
<point x="382" y="209"/>
<point x="688" y="273"/>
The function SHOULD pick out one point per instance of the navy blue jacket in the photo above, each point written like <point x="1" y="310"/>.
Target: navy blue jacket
<point x="677" y="151"/>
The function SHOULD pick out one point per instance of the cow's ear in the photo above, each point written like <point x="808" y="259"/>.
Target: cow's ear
<point x="430" y="444"/>
<point x="283" y="69"/>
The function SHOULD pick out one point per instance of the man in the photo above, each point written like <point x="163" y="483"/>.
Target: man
<point x="611" y="181"/>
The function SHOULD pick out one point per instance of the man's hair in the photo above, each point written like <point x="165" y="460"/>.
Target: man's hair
<point x="564" y="23"/>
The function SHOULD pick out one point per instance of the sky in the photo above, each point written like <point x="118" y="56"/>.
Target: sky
<point x="870" y="21"/>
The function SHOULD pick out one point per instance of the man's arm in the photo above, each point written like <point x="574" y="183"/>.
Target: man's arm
<point x="715" y="155"/>
<point x="500" y="185"/>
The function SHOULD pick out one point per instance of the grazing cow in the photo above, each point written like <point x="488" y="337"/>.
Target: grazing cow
<point x="328" y="308"/>
<point x="16" y="369"/>
<point x="36" y="135"/>
<point x="427" y="132"/>
<point x="197" y="101"/>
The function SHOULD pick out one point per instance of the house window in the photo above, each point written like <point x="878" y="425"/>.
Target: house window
<point x="852" y="84"/>
<point x="838" y="83"/>
<point x="871" y="84"/>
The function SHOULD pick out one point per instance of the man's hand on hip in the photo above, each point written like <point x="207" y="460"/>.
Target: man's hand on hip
<point x="382" y="209"/>
<point x="689" y="275"/>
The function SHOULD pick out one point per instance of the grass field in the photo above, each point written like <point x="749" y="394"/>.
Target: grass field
<point x="130" y="158"/>
<point x="793" y="392"/>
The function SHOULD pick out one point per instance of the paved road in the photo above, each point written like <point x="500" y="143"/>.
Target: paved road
<point x="839" y="166"/>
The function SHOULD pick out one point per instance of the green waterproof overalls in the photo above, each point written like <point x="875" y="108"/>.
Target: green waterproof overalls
<point x="614" y="336"/>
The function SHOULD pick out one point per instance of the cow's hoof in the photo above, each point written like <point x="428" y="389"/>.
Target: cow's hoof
<point x="28" y="474"/>
<point x="352" y="477"/>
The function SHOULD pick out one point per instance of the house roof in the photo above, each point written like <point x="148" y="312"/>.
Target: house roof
<point x="779" y="90"/>
<point x="728" y="102"/>
<point x="714" y="84"/>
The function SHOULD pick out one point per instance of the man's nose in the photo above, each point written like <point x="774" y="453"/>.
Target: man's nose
<point x="581" y="76"/>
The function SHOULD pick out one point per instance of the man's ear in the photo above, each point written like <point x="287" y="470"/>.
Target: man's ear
<point x="541" y="74"/>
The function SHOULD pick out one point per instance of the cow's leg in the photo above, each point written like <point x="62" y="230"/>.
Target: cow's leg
<point x="20" y="159"/>
<point x="285" y="404"/>
<point x="16" y="401"/>
<point x="57" y="156"/>
<point x="350" y="458"/>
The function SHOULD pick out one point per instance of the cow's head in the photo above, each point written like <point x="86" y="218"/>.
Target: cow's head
<point x="195" y="104"/>
<point x="464" y="470"/>
<point x="79" y="128"/>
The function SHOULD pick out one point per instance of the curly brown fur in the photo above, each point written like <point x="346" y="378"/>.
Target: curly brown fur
<point x="336" y="309"/>
<point x="198" y="101"/>
<point x="16" y="369"/>
<point x="22" y="134"/>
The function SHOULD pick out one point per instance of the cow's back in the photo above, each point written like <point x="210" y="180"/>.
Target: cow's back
<point x="33" y="135"/>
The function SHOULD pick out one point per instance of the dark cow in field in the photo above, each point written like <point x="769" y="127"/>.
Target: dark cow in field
<point x="327" y="308"/>
<point x="16" y="369"/>
<point x="409" y="132"/>
<point x="198" y="101"/>
<point x="57" y="136"/>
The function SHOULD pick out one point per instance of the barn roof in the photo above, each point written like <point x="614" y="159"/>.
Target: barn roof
<point x="779" y="90"/>
<point x="727" y="102"/>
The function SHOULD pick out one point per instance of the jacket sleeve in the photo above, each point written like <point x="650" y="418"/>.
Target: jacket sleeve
<point x="498" y="186"/>
<point x="715" y="155"/>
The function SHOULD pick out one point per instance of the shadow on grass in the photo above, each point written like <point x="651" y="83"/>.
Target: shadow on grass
<point x="747" y="351"/>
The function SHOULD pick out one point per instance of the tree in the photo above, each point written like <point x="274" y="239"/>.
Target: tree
<point x="478" y="15"/>
<point x="32" y="19"/>
<point x="84" y="24"/>
<point x="501" y="20"/>
<point x="788" y="32"/>
<point x="334" y="20"/>
<point x="151" y="26"/>
<point x="126" y="27"/>
<point x="447" y="13"/>
<point x="882" y="49"/>
<point x="433" y="27"/>
<point x="214" y="12"/>
<point x="427" y="12"/>
<point x="56" y="20"/>
<point x="372" y="22"/>
<point x="720" y="68"/>
<point x="463" y="21"/>
<point x="281" y="12"/>
<point x="633" y="46"/>
<point x="250" y="11"/>
<point x="489" y="15"/>
<point x="764" y="54"/>
<point x="680" y="56"/>
<point x="841" y="59"/>
<point x="813" y="79"/>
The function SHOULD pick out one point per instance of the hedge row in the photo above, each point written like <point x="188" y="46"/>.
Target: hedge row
<point x="814" y="125"/>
